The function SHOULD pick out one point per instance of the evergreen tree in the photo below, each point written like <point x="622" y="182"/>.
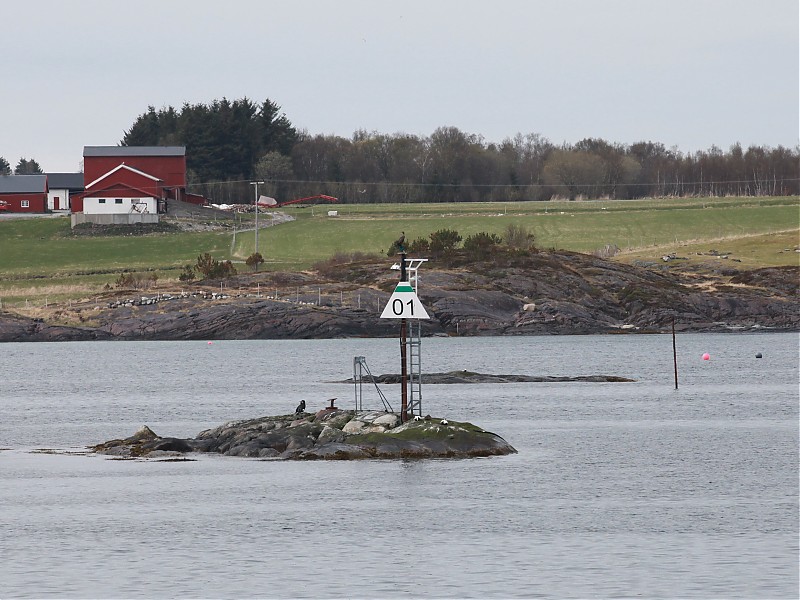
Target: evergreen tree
<point x="27" y="167"/>
<point x="224" y="140"/>
<point x="277" y="133"/>
<point x="144" y="131"/>
<point x="5" y="168"/>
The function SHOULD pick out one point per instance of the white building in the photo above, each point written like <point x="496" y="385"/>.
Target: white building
<point x="61" y="186"/>
<point x="124" y="195"/>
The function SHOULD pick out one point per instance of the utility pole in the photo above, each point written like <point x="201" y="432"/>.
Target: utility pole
<point x="255" y="183"/>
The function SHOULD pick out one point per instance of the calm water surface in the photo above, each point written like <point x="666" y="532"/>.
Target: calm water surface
<point x="618" y="490"/>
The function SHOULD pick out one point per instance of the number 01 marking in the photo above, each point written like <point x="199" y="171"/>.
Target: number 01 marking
<point x="397" y="307"/>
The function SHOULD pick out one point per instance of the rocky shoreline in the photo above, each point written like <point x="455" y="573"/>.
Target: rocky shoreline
<point x="541" y="293"/>
<point x="330" y="434"/>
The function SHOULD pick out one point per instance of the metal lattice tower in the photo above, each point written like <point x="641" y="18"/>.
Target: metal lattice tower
<point x="414" y="343"/>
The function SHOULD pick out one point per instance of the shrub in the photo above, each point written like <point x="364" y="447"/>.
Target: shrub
<point x="480" y="245"/>
<point x="224" y="270"/>
<point x="518" y="237"/>
<point x="419" y="246"/>
<point x="187" y="274"/>
<point x="254" y="260"/>
<point x="136" y="281"/>
<point x="205" y="264"/>
<point x="211" y="268"/>
<point x="126" y="280"/>
<point x="444" y="241"/>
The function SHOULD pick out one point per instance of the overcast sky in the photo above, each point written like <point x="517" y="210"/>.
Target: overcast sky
<point x="686" y="73"/>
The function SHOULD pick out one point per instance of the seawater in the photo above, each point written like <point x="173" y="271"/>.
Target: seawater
<point x="618" y="490"/>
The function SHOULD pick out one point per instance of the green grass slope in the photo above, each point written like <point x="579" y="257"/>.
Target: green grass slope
<point x="40" y="256"/>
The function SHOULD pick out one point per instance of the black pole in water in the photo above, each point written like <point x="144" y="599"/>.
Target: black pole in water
<point x="674" y="353"/>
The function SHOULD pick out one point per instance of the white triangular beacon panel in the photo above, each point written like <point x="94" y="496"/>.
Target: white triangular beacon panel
<point x="404" y="304"/>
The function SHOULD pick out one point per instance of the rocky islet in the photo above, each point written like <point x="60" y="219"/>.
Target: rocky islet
<point x="329" y="434"/>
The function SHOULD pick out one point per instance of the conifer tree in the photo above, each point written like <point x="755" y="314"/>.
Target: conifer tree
<point x="27" y="167"/>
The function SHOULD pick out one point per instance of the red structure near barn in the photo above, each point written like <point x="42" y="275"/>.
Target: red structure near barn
<point x="23" y="193"/>
<point x="131" y="184"/>
<point x="167" y="163"/>
<point x="124" y="190"/>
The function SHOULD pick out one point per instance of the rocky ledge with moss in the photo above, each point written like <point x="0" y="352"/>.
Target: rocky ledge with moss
<point x="330" y="434"/>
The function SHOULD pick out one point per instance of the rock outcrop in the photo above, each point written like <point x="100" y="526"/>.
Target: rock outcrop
<point x="330" y="434"/>
<point x="539" y="293"/>
<point x="472" y="377"/>
<point x="14" y="328"/>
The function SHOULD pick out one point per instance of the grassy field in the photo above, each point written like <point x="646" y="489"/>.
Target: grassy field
<point x="580" y="226"/>
<point x="39" y="258"/>
<point x="30" y="247"/>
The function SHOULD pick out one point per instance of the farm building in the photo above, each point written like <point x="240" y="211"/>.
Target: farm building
<point x="165" y="163"/>
<point x="123" y="195"/>
<point x="61" y="187"/>
<point x="130" y="184"/>
<point x="23" y="193"/>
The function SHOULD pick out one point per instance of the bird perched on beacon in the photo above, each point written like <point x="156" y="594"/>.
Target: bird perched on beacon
<point x="400" y="242"/>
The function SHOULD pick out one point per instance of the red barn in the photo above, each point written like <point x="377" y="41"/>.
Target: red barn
<point x="166" y="163"/>
<point x="23" y="193"/>
<point x="123" y="190"/>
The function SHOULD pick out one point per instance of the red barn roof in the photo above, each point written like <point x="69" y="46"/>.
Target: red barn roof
<point x="167" y="163"/>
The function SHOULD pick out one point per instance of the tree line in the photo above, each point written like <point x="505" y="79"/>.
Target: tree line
<point x="249" y="142"/>
<point x="453" y="166"/>
<point x="231" y="143"/>
<point x="24" y="167"/>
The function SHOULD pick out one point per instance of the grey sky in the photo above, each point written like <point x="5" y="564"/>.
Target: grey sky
<point x="686" y="73"/>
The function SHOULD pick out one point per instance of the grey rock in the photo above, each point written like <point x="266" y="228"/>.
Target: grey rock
<point x="330" y="434"/>
<point x="305" y="439"/>
<point x="388" y="420"/>
<point x="353" y="426"/>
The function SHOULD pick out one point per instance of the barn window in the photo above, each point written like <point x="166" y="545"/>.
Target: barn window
<point x="25" y="203"/>
<point x="118" y="201"/>
<point x="101" y="200"/>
